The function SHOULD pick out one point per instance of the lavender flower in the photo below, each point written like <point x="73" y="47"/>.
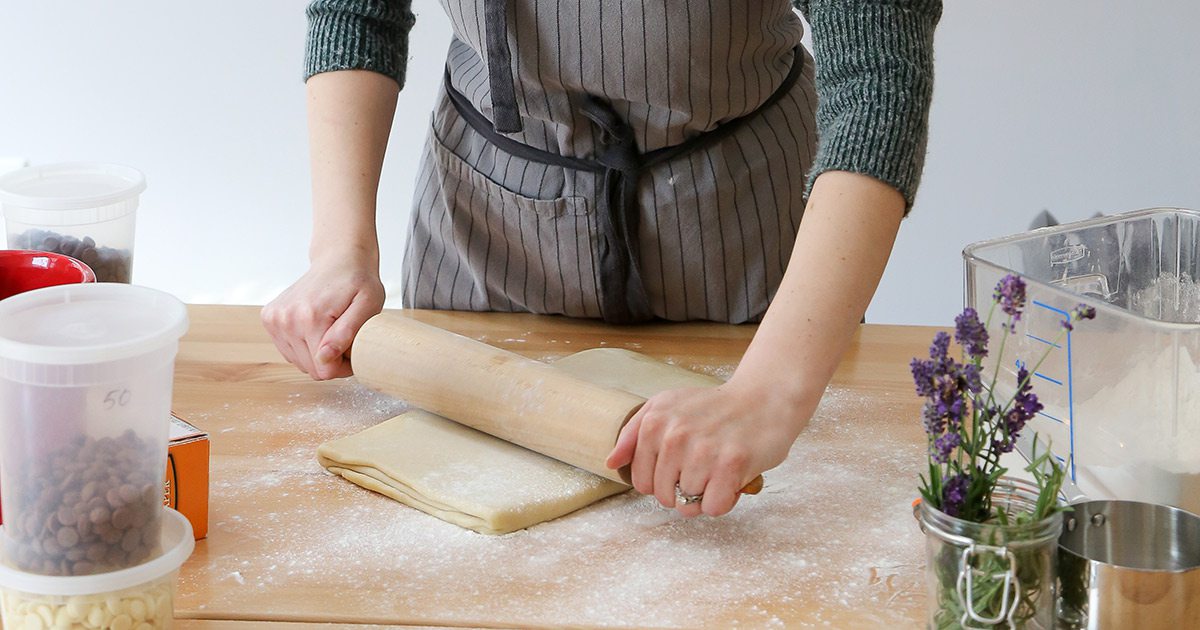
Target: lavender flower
<point x="945" y="385"/>
<point x="922" y="372"/>
<point x="1083" y="311"/>
<point x="970" y="333"/>
<point x="1025" y="403"/>
<point x="941" y="346"/>
<point x="933" y="420"/>
<point x="944" y="445"/>
<point x="1025" y="406"/>
<point x="967" y="424"/>
<point x="972" y="378"/>
<point x="954" y="494"/>
<point x="1010" y="295"/>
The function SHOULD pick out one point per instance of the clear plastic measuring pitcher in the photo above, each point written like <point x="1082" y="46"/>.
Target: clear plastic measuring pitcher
<point x="1121" y="392"/>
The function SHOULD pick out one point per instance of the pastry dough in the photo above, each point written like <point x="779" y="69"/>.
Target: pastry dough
<point x="480" y="482"/>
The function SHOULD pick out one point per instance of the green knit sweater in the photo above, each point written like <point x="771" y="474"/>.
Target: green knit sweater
<point x="874" y="73"/>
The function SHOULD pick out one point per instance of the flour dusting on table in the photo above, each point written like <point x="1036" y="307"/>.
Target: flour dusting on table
<point x="831" y="533"/>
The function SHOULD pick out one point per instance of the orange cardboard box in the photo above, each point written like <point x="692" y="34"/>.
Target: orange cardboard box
<point x="186" y="489"/>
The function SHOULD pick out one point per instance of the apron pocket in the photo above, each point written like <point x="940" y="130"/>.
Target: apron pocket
<point x="488" y="247"/>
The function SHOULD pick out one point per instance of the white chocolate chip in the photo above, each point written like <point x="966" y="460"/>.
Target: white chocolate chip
<point x="46" y="614"/>
<point x="96" y="617"/>
<point x="145" y="609"/>
<point x="121" y="622"/>
<point x="137" y="610"/>
<point x="77" y="608"/>
<point x="62" y="617"/>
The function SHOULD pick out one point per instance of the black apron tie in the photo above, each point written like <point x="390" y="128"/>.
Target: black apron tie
<point x="623" y="297"/>
<point x="623" y="293"/>
<point x="504" y="94"/>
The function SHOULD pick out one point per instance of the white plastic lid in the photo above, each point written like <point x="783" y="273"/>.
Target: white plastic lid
<point x="70" y="194"/>
<point x="81" y="324"/>
<point x="178" y="542"/>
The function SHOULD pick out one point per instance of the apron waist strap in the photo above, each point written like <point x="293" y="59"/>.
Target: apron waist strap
<point x="622" y="294"/>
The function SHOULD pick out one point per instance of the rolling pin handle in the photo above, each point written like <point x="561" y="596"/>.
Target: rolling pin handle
<point x="754" y="487"/>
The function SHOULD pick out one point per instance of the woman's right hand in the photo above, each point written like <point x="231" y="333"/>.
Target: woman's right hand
<point x="314" y="321"/>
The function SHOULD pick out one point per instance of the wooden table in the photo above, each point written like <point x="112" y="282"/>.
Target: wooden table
<point x="831" y="541"/>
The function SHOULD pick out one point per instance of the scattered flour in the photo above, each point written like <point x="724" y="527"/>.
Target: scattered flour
<point x="831" y="535"/>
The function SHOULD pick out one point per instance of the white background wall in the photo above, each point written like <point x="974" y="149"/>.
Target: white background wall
<point x="1076" y="106"/>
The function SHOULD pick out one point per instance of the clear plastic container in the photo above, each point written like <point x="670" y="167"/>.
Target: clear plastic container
<point x="85" y="395"/>
<point x="83" y="210"/>
<point x="140" y="597"/>
<point x="1121" y="392"/>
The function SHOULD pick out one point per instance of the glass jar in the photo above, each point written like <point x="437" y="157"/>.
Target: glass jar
<point x="991" y="575"/>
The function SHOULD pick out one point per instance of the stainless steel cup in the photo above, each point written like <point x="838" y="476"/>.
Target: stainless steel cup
<point x="1123" y="564"/>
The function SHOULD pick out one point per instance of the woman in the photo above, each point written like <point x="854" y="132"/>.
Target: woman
<point x="630" y="160"/>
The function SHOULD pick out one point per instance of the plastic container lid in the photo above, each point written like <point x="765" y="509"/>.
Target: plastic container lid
<point x="81" y="324"/>
<point x="178" y="541"/>
<point x="70" y="194"/>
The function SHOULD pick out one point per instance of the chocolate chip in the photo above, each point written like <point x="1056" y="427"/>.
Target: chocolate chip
<point x="67" y="537"/>
<point x="109" y="264"/>
<point x="96" y="552"/>
<point x="86" y="508"/>
<point x="122" y="518"/>
<point x="99" y="515"/>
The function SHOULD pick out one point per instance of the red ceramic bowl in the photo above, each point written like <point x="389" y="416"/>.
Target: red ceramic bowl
<point x="23" y="270"/>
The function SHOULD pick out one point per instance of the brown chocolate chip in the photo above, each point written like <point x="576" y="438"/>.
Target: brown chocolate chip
<point x="128" y="493"/>
<point x="67" y="537"/>
<point x="122" y="518"/>
<point x="91" y="506"/>
<point x="131" y="541"/>
<point x="100" y="514"/>
<point x="96" y="552"/>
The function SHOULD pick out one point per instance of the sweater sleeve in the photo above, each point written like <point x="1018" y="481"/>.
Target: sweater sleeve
<point x="358" y="35"/>
<point x="874" y="80"/>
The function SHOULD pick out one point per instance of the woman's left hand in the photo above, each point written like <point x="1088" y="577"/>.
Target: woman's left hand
<point x="710" y="441"/>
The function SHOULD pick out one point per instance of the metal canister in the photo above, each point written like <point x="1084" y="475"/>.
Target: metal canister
<point x="1124" y="564"/>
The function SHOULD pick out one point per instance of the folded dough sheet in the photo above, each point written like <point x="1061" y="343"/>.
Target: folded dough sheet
<point x="483" y="483"/>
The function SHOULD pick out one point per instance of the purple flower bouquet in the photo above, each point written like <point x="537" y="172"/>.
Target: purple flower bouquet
<point x="991" y="539"/>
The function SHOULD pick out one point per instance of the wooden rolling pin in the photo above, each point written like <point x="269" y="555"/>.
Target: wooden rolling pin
<point x="501" y="393"/>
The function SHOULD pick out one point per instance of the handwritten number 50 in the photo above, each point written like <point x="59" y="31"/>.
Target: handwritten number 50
<point x="117" y="398"/>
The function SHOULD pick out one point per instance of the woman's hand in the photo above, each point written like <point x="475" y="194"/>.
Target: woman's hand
<point x="714" y="441"/>
<point x="710" y="441"/>
<point x="314" y="321"/>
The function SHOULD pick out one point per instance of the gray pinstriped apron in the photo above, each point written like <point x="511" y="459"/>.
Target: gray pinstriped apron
<point x="620" y="159"/>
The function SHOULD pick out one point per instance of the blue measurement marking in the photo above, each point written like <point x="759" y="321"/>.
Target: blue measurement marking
<point x="1070" y="389"/>
<point x="1051" y="308"/>
<point x="1045" y="341"/>
<point x="1041" y="413"/>
<point x="1052" y="380"/>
